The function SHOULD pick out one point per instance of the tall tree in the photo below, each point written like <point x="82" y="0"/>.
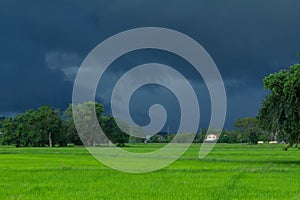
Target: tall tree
<point x="49" y="124"/>
<point x="280" y="111"/>
<point x="86" y="124"/>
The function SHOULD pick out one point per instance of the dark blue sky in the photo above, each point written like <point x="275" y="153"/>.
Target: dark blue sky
<point x="44" y="42"/>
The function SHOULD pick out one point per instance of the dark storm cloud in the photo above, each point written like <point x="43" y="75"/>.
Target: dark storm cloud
<point x="44" y="42"/>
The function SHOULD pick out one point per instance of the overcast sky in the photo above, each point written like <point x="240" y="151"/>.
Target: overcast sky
<point x="43" y="43"/>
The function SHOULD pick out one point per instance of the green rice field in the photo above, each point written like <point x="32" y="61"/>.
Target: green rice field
<point x="230" y="171"/>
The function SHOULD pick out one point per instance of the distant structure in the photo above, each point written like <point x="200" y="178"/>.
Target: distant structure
<point x="211" y="138"/>
<point x="260" y="142"/>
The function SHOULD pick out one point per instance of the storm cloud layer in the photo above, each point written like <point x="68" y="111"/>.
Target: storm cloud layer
<point x="44" y="42"/>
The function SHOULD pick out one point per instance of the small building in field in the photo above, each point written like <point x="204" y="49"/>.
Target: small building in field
<point x="211" y="138"/>
<point x="260" y="142"/>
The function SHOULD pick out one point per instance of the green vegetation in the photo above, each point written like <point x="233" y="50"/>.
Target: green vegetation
<point x="249" y="131"/>
<point x="235" y="171"/>
<point x="34" y="128"/>
<point x="278" y="119"/>
<point x="230" y="171"/>
<point x="87" y="126"/>
<point x="280" y="111"/>
<point x="45" y="127"/>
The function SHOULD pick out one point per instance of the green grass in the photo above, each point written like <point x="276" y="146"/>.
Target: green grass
<point x="236" y="171"/>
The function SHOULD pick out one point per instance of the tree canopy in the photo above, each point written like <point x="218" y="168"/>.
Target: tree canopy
<point x="46" y="126"/>
<point x="39" y="127"/>
<point x="280" y="111"/>
<point x="87" y="125"/>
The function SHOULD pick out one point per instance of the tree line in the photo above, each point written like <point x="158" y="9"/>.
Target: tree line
<point x="46" y="126"/>
<point x="279" y="115"/>
<point x="247" y="130"/>
<point x="278" y="119"/>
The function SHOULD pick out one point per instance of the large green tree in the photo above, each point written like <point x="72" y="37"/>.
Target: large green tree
<point x="280" y="111"/>
<point x="49" y="124"/>
<point x="87" y="125"/>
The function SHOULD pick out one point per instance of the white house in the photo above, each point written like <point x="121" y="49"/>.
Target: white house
<point x="211" y="137"/>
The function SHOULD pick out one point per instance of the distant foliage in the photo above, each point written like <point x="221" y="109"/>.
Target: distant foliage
<point x="248" y="130"/>
<point x="45" y="127"/>
<point x="35" y="128"/>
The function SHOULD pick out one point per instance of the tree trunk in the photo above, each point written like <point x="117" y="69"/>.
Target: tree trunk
<point x="50" y="140"/>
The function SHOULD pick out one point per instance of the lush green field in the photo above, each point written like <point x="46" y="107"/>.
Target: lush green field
<point x="229" y="172"/>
